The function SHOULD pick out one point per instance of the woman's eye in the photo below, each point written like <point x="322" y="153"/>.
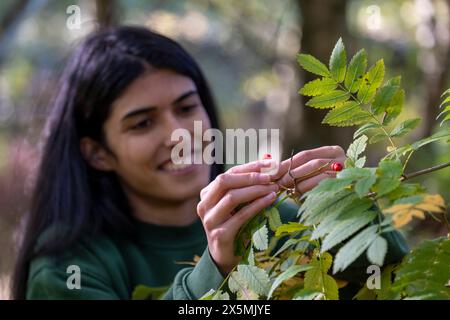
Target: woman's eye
<point x="187" y="109"/>
<point x="142" y="125"/>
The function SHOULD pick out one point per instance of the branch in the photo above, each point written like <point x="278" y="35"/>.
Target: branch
<point x="424" y="171"/>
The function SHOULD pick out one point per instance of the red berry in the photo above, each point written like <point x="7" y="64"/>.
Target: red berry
<point x="267" y="156"/>
<point x="336" y="166"/>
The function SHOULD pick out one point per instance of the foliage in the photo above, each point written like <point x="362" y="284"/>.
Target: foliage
<point x="348" y="217"/>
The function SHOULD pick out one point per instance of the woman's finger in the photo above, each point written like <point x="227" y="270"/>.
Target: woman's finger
<point x="226" y="181"/>
<point x="231" y="200"/>
<point x="233" y="224"/>
<point x="312" y="167"/>
<point x="326" y="152"/>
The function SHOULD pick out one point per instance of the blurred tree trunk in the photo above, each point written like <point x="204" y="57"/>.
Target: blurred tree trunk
<point x="436" y="82"/>
<point x="322" y="23"/>
<point x="108" y="13"/>
<point x="11" y="19"/>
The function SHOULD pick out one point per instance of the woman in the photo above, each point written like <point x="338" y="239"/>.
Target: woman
<point x="110" y="204"/>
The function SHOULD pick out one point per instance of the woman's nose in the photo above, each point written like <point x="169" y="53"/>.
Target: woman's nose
<point x="171" y="123"/>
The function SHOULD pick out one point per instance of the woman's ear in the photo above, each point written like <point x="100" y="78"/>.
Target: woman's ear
<point x="95" y="154"/>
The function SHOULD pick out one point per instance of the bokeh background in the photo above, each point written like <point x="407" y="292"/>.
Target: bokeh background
<point x="247" y="50"/>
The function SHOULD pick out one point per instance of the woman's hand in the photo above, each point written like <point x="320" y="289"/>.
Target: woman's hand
<point x="317" y="161"/>
<point x="218" y="201"/>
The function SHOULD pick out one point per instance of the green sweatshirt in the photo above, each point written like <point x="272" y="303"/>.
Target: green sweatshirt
<point x="112" y="267"/>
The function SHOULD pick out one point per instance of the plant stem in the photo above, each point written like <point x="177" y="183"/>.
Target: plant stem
<point x="371" y="114"/>
<point x="425" y="171"/>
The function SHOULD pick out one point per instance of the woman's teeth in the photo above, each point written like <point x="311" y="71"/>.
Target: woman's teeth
<point x="170" y="166"/>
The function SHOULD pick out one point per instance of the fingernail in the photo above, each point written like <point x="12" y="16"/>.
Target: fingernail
<point x="271" y="195"/>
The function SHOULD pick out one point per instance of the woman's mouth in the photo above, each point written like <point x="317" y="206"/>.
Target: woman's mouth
<point x="177" y="169"/>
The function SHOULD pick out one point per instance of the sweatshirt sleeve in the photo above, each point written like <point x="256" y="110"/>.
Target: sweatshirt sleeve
<point x="192" y="283"/>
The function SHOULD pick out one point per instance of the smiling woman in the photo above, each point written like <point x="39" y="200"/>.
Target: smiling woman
<point x="109" y="202"/>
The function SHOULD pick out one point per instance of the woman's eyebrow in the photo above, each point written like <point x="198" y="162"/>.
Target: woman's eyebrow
<point x="149" y="109"/>
<point x="137" y="112"/>
<point x="184" y="96"/>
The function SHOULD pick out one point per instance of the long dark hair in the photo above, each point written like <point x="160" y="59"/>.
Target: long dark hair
<point x="68" y="191"/>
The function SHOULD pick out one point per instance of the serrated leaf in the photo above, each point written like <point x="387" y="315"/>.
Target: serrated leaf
<point x="349" y="113"/>
<point x="306" y="294"/>
<point x="371" y="81"/>
<point x="357" y="147"/>
<point x="445" y="102"/>
<point x="377" y="251"/>
<point x="446" y="92"/>
<point x="260" y="238"/>
<point x="274" y="219"/>
<point x="311" y="64"/>
<point x="289" y="243"/>
<point x="318" y="87"/>
<point x="405" y="209"/>
<point x="338" y="61"/>
<point x="256" y="278"/>
<point x="356" y="69"/>
<point x="383" y="98"/>
<point x="346" y="228"/>
<point x="142" y="292"/>
<point x="354" y="248"/>
<point x="365" y="128"/>
<point x="287" y="274"/>
<point x="360" y="162"/>
<point x="289" y="228"/>
<point x="389" y="172"/>
<point x="328" y="224"/>
<point x="423" y="273"/>
<point x="332" y="185"/>
<point x="236" y="282"/>
<point x="377" y="138"/>
<point x="328" y="100"/>
<point x="247" y="294"/>
<point x="395" y="107"/>
<point x="317" y="278"/>
<point x="441" y="135"/>
<point x="405" y="127"/>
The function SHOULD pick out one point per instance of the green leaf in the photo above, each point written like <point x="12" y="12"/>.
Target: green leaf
<point x="332" y="185"/>
<point x="377" y="138"/>
<point x="287" y="274"/>
<point x="357" y="147"/>
<point x="328" y="100"/>
<point x="383" y="98"/>
<point x="142" y="292"/>
<point x="311" y="64"/>
<point x="356" y="69"/>
<point x="260" y="238"/>
<point x="236" y="282"/>
<point x="405" y="127"/>
<point x="443" y="134"/>
<point x="289" y="243"/>
<point x="317" y="278"/>
<point x="365" y="128"/>
<point x="317" y="207"/>
<point x="349" y="113"/>
<point x="395" y="107"/>
<point x="389" y="172"/>
<point x="355" y="209"/>
<point x="318" y="87"/>
<point x="377" y="251"/>
<point x="360" y="162"/>
<point x="256" y="278"/>
<point x="306" y="294"/>
<point x="346" y="228"/>
<point x="371" y="81"/>
<point x="289" y="228"/>
<point x="424" y="272"/>
<point x="445" y="102"/>
<point x="354" y="248"/>
<point x="338" y="61"/>
<point x="274" y="219"/>
<point x="446" y="92"/>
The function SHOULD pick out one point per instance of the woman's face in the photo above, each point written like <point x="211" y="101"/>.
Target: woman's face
<point x="139" y="130"/>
